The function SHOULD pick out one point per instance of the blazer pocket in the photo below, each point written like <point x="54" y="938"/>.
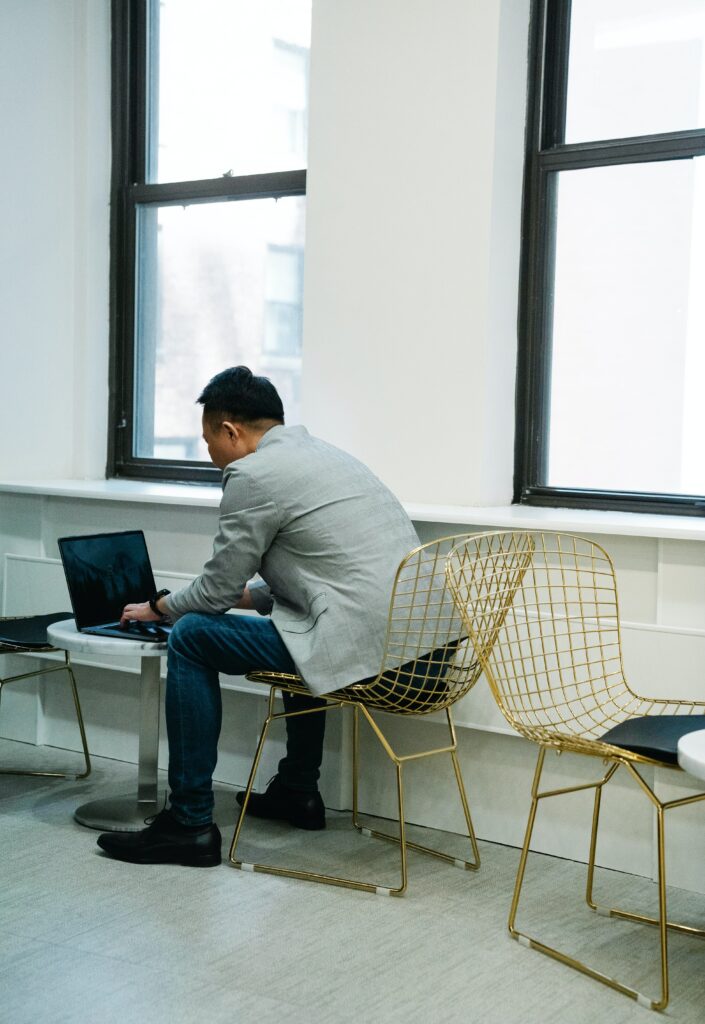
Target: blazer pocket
<point x="306" y="622"/>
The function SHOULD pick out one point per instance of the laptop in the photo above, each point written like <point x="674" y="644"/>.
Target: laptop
<point x="104" y="572"/>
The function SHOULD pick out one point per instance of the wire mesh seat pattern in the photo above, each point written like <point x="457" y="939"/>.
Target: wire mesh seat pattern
<point x="543" y="614"/>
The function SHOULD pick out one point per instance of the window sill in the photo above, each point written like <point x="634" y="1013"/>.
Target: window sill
<point x="510" y="517"/>
<point x="200" y="495"/>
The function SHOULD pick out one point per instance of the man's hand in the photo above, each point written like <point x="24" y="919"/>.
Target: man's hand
<point x="138" y="613"/>
<point x="245" y="602"/>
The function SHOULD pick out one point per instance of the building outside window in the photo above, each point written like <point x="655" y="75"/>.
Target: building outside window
<point x="610" y="409"/>
<point x="210" y="122"/>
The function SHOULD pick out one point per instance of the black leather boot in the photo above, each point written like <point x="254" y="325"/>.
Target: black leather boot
<point x="279" y="803"/>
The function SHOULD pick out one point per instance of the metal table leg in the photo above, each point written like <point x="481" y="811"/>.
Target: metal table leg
<point x="128" y="813"/>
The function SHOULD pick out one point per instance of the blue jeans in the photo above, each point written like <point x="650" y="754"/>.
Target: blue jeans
<point x="201" y="646"/>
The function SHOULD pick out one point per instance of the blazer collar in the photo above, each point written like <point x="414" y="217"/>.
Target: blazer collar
<point x="278" y="433"/>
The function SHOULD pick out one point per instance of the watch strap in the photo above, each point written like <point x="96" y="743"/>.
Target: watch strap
<point x="157" y="597"/>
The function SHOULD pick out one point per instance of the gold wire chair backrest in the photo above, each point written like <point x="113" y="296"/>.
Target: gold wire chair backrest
<point x="553" y="657"/>
<point x="428" y="661"/>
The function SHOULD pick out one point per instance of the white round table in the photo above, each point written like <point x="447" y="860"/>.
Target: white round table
<point x="124" y="813"/>
<point x="691" y="753"/>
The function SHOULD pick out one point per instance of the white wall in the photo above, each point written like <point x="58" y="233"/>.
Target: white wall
<point x="54" y="210"/>
<point x="413" y="228"/>
<point x="416" y="145"/>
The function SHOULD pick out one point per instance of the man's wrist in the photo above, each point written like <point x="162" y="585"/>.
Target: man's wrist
<point x="155" y="602"/>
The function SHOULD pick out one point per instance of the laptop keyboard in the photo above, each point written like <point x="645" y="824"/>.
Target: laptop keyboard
<point x="131" y="630"/>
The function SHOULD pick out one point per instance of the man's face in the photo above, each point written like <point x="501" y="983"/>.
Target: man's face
<point x="223" y="443"/>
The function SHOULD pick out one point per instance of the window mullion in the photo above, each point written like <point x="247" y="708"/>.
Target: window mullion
<point x="556" y="55"/>
<point x="276" y="184"/>
<point x="643" y="149"/>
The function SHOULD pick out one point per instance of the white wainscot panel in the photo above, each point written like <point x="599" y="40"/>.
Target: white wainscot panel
<point x="478" y="710"/>
<point x="20" y="718"/>
<point x="34" y="586"/>
<point x="664" y="662"/>
<point x="20" y="525"/>
<point x="636" y="565"/>
<point x="180" y="538"/>
<point x="682" y="584"/>
<point x="685" y="831"/>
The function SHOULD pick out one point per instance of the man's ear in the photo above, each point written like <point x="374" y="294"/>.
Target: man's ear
<point x="233" y="430"/>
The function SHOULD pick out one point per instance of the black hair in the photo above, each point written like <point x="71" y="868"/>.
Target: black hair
<point x="240" y="395"/>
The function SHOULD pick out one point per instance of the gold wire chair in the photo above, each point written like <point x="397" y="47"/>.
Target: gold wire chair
<point x="8" y="645"/>
<point x="542" y="612"/>
<point x="427" y="665"/>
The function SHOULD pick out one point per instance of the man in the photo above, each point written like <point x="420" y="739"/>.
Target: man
<point x="326" y="537"/>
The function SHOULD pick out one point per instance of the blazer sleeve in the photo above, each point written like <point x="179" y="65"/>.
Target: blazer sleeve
<point x="248" y="523"/>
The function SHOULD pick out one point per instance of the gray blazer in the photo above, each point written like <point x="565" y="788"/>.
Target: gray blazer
<point x="326" y="536"/>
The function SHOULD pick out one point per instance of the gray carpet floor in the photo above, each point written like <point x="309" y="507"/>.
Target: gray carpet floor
<point x="84" y="939"/>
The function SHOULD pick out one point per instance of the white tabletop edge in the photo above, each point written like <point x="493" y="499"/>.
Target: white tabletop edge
<point x="64" y="635"/>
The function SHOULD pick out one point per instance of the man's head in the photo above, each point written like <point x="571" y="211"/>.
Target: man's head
<point x="238" y="408"/>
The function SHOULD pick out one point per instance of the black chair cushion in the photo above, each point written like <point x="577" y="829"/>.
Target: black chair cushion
<point x="654" y="736"/>
<point x="29" y="632"/>
<point x="419" y="683"/>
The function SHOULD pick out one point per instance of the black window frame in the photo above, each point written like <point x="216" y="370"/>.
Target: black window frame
<point x="130" y="190"/>
<point x="546" y="155"/>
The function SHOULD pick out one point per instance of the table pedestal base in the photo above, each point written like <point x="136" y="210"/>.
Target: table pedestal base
<point x="118" y="814"/>
<point x="127" y="813"/>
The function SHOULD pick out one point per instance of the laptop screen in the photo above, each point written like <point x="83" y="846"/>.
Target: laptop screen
<point x="104" y="572"/>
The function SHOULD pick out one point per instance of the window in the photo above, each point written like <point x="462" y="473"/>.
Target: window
<point x="283" y="292"/>
<point x="208" y="216"/>
<point x="612" y="326"/>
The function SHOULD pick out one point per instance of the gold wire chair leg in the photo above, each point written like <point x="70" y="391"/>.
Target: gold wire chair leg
<point x="593" y="837"/>
<point x="79" y="718"/>
<point x="67" y="667"/>
<point x="593" y="849"/>
<point x="457" y="862"/>
<point x="532" y="943"/>
<point x="402" y="835"/>
<point x="627" y="915"/>
<point x="663" y="916"/>
<point x="661" y="921"/>
<point x="251" y="781"/>
<point x="525" y="848"/>
<point x="400" y="840"/>
<point x="355" y="768"/>
<point x="474" y="864"/>
<point x="311" y="876"/>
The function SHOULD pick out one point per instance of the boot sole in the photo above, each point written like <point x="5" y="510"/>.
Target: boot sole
<point x="199" y="862"/>
<point x="204" y="860"/>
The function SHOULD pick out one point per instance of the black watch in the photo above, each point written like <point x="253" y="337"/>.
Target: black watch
<point x="153" y="600"/>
